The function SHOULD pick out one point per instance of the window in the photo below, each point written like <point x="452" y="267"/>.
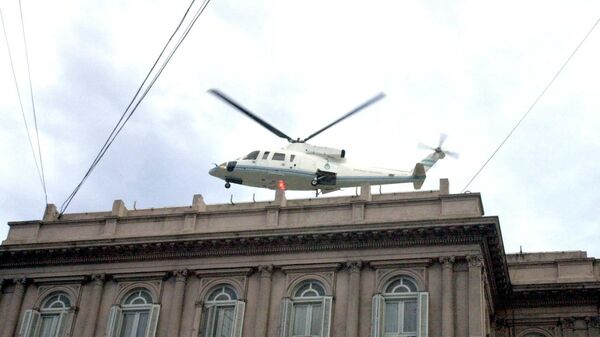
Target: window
<point x="223" y="313"/>
<point x="265" y="155"/>
<point x="252" y="155"/>
<point x="401" y="310"/>
<point x="278" y="156"/>
<point x="54" y="319"/>
<point x="136" y="316"/>
<point x="307" y="313"/>
<point x="292" y="157"/>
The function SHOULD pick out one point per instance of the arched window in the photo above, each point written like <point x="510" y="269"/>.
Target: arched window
<point x="401" y="310"/>
<point x="308" y="312"/>
<point x="223" y="313"/>
<point x="54" y="319"/>
<point x="136" y="316"/>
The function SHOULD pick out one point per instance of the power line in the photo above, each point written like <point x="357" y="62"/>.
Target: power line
<point x="37" y="134"/>
<point x="533" y="104"/>
<point x="129" y="112"/>
<point x="22" y="109"/>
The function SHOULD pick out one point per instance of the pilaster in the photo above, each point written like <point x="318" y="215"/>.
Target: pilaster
<point x="15" y="307"/>
<point x="177" y="302"/>
<point x="475" y="296"/>
<point x="353" y="303"/>
<point x="89" y="329"/>
<point x="264" y="299"/>
<point x="447" y="296"/>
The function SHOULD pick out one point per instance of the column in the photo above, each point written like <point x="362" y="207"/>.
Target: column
<point x="177" y="302"/>
<point x="16" y="300"/>
<point x="353" y="303"/>
<point x="94" y="305"/>
<point x="475" y="297"/>
<point x="447" y="296"/>
<point x="264" y="299"/>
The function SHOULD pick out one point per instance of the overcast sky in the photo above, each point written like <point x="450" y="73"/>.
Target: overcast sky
<point x="466" y="68"/>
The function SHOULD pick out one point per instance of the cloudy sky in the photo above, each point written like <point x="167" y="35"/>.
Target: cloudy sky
<point x="466" y="68"/>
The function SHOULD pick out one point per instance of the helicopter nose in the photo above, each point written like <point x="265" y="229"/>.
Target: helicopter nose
<point x="217" y="171"/>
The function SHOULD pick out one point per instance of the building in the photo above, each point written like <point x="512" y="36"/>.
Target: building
<point x="426" y="264"/>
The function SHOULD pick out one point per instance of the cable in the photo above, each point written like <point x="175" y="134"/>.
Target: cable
<point x="123" y="120"/>
<point x="533" y="104"/>
<point x="22" y="109"/>
<point x="37" y="134"/>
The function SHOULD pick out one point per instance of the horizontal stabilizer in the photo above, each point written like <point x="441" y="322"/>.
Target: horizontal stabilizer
<point x="419" y="173"/>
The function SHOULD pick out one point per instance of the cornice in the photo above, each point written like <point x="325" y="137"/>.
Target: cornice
<point x="480" y="230"/>
<point x="554" y="294"/>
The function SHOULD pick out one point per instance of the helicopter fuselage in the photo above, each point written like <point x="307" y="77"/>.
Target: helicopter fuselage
<point x="302" y="166"/>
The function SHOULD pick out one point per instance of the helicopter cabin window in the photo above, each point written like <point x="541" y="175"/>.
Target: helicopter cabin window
<point x="278" y="156"/>
<point x="252" y="155"/>
<point x="292" y="157"/>
<point x="265" y="155"/>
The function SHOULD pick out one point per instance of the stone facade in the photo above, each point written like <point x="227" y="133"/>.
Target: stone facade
<point x="348" y="251"/>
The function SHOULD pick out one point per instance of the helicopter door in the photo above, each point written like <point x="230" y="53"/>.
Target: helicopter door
<point x="325" y="178"/>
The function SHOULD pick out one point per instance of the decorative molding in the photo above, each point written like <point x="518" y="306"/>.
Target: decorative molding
<point x="311" y="267"/>
<point x="154" y="287"/>
<point x="238" y="282"/>
<point x="80" y="279"/>
<point x="405" y="263"/>
<point x="327" y="278"/>
<point x="181" y="275"/>
<point x="354" y="266"/>
<point x="73" y="291"/>
<point x="447" y="261"/>
<point x="475" y="261"/>
<point x="384" y="276"/>
<point x="162" y="275"/>
<point x="203" y="273"/>
<point x="482" y="231"/>
<point x="265" y="270"/>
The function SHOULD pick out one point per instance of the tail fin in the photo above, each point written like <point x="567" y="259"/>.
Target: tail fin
<point x="421" y="168"/>
<point x="419" y="173"/>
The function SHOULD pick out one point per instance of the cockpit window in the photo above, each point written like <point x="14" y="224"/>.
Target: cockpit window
<point x="278" y="156"/>
<point x="265" y="155"/>
<point x="252" y="155"/>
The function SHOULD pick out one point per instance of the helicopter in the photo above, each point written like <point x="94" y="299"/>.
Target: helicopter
<point x="302" y="166"/>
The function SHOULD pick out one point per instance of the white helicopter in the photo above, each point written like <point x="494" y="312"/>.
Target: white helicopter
<point x="302" y="166"/>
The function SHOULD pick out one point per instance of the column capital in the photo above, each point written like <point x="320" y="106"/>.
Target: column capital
<point x="447" y="261"/>
<point x="181" y="275"/>
<point x="475" y="260"/>
<point x="354" y="266"/>
<point x="265" y="270"/>
<point x="21" y="280"/>
<point x="98" y="279"/>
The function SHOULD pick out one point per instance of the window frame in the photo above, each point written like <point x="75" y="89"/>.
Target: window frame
<point x="208" y="323"/>
<point x="380" y="301"/>
<point x="61" y="318"/>
<point x="116" y="318"/>
<point x="289" y="305"/>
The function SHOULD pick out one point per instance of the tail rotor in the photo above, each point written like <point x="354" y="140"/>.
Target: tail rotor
<point x="441" y="152"/>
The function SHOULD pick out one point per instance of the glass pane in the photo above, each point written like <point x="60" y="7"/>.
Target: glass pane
<point x="278" y="156"/>
<point x="224" y="320"/>
<point x="391" y="317"/>
<point x="300" y="312"/>
<point x="142" y="324"/>
<point x="410" y="316"/>
<point x="49" y="324"/>
<point x="316" y="322"/>
<point x="127" y="327"/>
<point x="265" y="155"/>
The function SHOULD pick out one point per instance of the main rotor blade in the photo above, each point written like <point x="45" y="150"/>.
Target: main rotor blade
<point x="250" y="114"/>
<point x="443" y="137"/>
<point x="357" y="109"/>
